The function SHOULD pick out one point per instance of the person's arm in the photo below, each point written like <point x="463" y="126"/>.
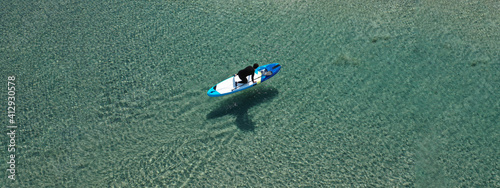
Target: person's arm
<point x="253" y="73"/>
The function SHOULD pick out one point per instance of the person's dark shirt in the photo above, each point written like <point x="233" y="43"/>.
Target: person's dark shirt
<point x="247" y="71"/>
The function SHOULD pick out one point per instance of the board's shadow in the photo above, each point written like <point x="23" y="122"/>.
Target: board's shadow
<point x="239" y="104"/>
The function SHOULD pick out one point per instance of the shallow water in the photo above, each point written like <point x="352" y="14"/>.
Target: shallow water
<point x="371" y="93"/>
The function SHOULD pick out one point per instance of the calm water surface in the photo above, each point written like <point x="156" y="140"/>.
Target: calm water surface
<point x="371" y="93"/>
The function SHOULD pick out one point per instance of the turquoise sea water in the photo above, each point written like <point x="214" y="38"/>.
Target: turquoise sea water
<point x="371" y="93"/>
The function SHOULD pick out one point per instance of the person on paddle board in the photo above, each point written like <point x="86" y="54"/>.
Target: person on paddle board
<point x="245" y="72"/>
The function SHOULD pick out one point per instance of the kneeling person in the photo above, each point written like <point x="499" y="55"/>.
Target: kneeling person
<point x="247" y="71"/>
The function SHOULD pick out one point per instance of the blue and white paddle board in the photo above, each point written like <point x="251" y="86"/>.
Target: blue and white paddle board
<point x="230" y="85"/>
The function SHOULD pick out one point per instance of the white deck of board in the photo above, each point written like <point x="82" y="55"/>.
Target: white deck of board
<point x="228" y="85"/>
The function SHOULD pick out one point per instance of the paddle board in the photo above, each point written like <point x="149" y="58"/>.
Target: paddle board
<point x="230" y="84"/>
